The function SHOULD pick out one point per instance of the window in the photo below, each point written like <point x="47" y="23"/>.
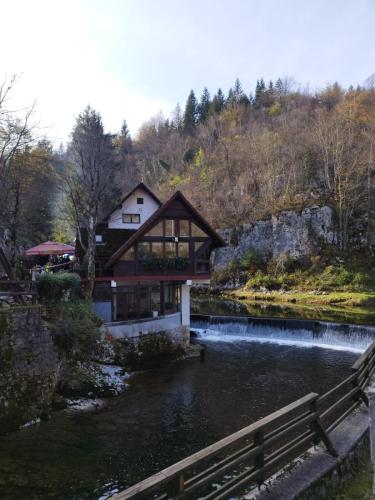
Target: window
<point x="131" y="218"/>
<point x="139" y="201"/>
<point x="99" y="238"/>
<point x="144" y="250"/>
<point x="157" y="249"/>
<point x="129" y="255"/>
<point x="170" y="227"/>
<point x="156" y="230"/>
<point x="197" y="231"/>
<point x="184" y="227"/>
<point x="170" y="249"/>
<point x="183" y="249"/>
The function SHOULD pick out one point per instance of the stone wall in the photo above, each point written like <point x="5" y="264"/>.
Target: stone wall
<point x="28" y="366"/>
<point x="298" y="234"/>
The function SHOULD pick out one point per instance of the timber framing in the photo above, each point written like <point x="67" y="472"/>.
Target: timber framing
<point x="168" y="209"/>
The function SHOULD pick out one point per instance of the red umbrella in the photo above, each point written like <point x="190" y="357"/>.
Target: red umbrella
<point x="50" y="248"/>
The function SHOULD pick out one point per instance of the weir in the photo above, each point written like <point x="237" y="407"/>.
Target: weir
<point x="353" y="338"/>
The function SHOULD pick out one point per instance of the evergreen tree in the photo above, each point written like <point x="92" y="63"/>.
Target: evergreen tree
<point x="190" y="114"/>
<point x="218" y="102"/>
<point x="236" y="95"/>
<point x="204" y="106"/>
<point x="125" y="139"/>
<point x="260" y="93"/>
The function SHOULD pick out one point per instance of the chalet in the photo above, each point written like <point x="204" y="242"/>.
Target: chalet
<point x="148" y="255"/>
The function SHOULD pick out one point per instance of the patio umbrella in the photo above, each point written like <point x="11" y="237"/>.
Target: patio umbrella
<point x="50" y="248"/>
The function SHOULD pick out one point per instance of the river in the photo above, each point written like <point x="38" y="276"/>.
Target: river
<point x="166" y="414"/>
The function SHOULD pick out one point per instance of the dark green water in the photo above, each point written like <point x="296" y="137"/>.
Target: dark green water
<point x="165" y="415"/>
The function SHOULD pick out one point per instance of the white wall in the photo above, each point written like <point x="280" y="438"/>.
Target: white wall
<point x="130" y="206"/>
<point x="134" y="328"/>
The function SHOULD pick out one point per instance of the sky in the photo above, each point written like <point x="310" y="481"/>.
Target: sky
<point x="131" y="59"/>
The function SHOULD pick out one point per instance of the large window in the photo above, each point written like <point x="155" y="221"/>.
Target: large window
<point x="144" y="250"/>
<point x="170" y="249"/>
<point x="170" y="227"/>
<point x="157" y="249"/>
<point x="183" y="249"/>
<point x="156" y="230"/>
<point x="129" y="255"/>
<point x="184" y="227"/>
<point x="131" y="218"/>
<point x="197" y="231"/>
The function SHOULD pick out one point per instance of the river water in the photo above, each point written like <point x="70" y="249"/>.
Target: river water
<point x="166" y="414"/>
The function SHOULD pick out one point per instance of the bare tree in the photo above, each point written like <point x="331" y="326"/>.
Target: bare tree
<point x="88" y="181"/>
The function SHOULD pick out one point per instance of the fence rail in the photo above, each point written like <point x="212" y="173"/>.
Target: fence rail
<point x="21" y="291"/>
<point x="251" y="455"/>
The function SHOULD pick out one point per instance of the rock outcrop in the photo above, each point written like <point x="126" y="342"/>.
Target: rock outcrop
<point x="296" y="234"/>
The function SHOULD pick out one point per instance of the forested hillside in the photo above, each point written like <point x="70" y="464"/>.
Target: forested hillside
<point x="238" y="156"/>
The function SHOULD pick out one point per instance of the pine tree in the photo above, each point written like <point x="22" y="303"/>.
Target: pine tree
<point x="125" y="139"/>
<point x="218" y="102"/>
<point x="204" y="106"/>
<point x="190" y="114"/>
<point x="236" y="95"/>
<point x="260" y="93"/>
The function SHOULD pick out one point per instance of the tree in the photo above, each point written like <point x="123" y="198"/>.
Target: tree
<point x="177" y="118"/>
<point x="190" y="114"/>
<point x="88" y="181"/>
<point x="218" y="102"/>
<point x="204" y="106"/>
<point x="236" y="95"/>
<point x="260" y="93"/>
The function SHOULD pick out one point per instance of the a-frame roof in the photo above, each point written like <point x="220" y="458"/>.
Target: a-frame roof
<point x="141" y="185"/>
<point x="149" y="223"/>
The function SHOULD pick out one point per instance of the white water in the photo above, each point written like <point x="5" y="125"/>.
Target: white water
<point x="328" y="336"/>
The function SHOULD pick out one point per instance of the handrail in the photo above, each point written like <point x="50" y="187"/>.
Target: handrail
<point x="257" y="451"/>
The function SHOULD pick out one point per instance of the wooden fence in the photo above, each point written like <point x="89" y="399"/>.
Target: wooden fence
<point x="21" y="292"/>
<point x="251" y="455"/>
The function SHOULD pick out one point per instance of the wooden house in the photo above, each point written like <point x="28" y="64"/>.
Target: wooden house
<point x="148" y="255"/>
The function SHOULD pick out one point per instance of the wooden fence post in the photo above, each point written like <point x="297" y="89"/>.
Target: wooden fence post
<point x="259" y="457"/>
<point x="317" y="427"/>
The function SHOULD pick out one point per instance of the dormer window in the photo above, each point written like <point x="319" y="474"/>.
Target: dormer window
<point x="139" y="201"/>
<point x="131" y="218"/>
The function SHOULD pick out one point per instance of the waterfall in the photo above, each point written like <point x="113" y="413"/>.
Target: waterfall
<point x="354" y="338"/>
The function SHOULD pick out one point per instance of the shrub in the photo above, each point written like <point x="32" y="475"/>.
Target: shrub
<point x="75" y="331"/>
<point x="250" y="261"/>
<point x="151" y="350"/>
<point x="60" y="286"/>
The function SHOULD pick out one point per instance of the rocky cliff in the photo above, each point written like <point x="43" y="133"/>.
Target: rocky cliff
<point x="296" y="234"/>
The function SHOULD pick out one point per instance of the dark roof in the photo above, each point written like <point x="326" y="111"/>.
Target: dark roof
<point x="138" y="186"/>
<point x="153" y="219"/>
<point x="112" y="240"/>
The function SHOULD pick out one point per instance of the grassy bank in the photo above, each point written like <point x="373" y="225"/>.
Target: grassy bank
<point x="340" y="292"/>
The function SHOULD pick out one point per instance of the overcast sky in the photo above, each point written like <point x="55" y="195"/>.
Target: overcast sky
<point x="133" y="58"/>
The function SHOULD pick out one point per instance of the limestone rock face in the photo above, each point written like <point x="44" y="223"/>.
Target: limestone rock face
<point x="298" y="234"/>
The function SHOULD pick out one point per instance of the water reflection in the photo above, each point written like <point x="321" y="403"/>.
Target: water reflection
<point x="166" y="415"/>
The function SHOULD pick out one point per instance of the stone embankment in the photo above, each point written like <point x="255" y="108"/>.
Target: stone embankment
<point x="29" y="366"/>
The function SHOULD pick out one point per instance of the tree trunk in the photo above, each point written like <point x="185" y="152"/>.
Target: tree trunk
<point x="91" y="247"/>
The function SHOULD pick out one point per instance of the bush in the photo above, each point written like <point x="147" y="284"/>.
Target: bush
<point x="151" y="350"/>
<point x="76" y="330"/>
<point x="60" y="286"/>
